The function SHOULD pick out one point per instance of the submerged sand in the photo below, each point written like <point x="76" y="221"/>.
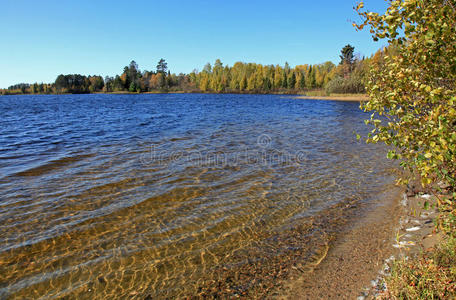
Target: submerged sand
<point x="354" y="258"/>
<point x="360" y="258"/>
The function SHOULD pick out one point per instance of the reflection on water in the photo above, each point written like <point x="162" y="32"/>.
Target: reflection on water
<point x="174" y="195"/>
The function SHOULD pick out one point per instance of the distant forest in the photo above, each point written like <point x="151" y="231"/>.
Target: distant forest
<point x="347" y="77"/>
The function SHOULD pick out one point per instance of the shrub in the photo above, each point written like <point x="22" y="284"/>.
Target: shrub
<point x="430" y="276"/>
<point x="413" y="89"/>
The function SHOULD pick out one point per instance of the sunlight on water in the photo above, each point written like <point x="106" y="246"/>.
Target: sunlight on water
<point x="106" y="196"/>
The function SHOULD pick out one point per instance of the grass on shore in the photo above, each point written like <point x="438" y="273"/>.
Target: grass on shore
<point x="323" y="95"/>
<point x="352" y="98"/>
<point x="429" y="275"/>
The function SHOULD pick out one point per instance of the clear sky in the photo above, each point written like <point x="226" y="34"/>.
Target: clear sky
<point x="42" y="39"/>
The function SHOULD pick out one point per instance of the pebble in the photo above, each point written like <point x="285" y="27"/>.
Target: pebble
<point x="426" y="196"/>
<point x="404" y="200"/>
<point x="402" y="244"/>
<point x="416" y="228"/>
<point x="390" y="259"/>
<point x="101" y="279"/>
<point x="443" y="185"/>
<point x="403" y="221"/>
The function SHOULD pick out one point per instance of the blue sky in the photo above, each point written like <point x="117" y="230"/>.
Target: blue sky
<point x="42" y="39"/>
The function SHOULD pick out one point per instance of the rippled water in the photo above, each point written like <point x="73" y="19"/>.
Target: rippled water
<point x="174" y="195"/>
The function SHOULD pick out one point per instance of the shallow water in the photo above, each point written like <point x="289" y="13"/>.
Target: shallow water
<point x="174" y="195"/>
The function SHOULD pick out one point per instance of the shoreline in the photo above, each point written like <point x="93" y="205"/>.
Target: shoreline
<point x="338" y="97"/>
<point x="415" y="234"/>
<point x="355" y="257"/>
<point x="162" y="92"/>
<point x="348" y="98"/>
<point x="357" y="263"/>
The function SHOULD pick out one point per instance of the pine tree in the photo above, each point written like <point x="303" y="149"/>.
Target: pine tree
<point x="291" y="81"/>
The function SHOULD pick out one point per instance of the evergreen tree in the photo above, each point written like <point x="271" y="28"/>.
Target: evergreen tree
<point x="347" y="56"/>
<point x="162" y="66"/>
<point x="291" y="81"/>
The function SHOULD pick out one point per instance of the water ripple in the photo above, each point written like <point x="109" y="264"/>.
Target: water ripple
<point x="115" y="196"/>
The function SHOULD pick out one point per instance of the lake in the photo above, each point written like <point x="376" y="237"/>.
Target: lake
<point x="175" y="195"/>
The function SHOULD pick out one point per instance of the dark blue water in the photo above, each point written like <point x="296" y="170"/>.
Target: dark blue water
<point x="134" y="195"/>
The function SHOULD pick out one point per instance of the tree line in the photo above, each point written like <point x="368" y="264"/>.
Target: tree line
<point x="347" y="77"/>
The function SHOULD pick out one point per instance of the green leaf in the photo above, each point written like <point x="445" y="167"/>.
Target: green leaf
<point x="426" y="205"/>
<point x="390" y="154"/>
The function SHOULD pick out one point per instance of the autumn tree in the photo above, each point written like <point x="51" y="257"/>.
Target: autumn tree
<point x="219" y="78"/>
<point x="412" y="88"/>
